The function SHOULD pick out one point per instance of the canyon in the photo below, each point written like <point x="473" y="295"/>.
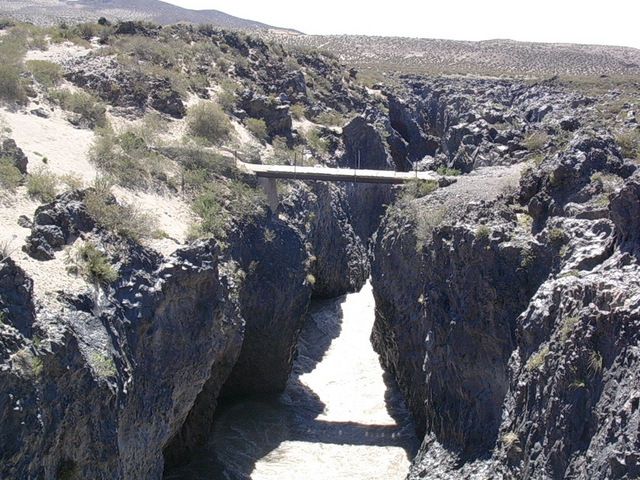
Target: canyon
<point x="506" y="293"/>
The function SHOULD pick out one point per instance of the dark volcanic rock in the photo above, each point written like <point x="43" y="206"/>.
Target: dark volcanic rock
<point x="57" y="224"/>
<point x="339" y="262"/>
<point x="16" y="297"/>
<point x="11" y="150"/>
<point x="513" y="338"/>
<point x="123" y="86"/>
<point x="266" y="265"/>
<point x="276" y="115"/>
<point x="105" y="390"/>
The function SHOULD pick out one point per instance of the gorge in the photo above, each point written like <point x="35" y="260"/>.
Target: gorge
<point x="506" y="292"/>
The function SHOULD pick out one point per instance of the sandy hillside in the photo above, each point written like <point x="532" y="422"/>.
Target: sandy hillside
<point x="55" y="145"/>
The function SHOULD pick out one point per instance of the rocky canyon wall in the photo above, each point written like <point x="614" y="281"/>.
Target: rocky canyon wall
<point x="507" y="303"/>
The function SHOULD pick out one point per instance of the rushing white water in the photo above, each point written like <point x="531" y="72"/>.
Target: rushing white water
<point x="339" y="417"/>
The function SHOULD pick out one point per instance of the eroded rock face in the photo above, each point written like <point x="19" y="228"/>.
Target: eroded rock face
<point x="266" y="264"/>
<point x="124" y="87"/>
<point x="97" y="394"/>
<point x="511" y="328"/>
<point x="124" y="378"/>
<point x="338" y="260"/>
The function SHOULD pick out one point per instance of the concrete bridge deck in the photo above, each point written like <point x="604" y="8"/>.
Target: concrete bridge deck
<point x="292" y="172"/>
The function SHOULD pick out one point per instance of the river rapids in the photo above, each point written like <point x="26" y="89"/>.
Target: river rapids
<point x="340" y="417"/>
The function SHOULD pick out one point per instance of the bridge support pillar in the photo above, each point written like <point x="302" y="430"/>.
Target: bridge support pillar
<point x="270" y="188"/>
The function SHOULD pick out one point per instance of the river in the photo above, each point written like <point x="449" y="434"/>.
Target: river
<point x="340" y="417"/>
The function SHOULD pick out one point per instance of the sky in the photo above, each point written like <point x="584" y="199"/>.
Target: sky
<point x="610" y="22"/>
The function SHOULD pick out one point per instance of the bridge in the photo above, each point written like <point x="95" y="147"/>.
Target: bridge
<point x="268" y="174"/>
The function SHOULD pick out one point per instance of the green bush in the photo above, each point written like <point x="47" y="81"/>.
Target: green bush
<point x="89" y="262"/>
<point x="123" y="219"/>
<point x="207" y="121"/>
<point x="219" y="204"/>
<point x="536" y="140"/>
<point x="11" y="87"/>
<point x="556" y="236"/>
<point x="483" y="231"/>
<point x="442" y="170"/>
<point x="214" y="218"/>
<point x="47" y="73"/>
<point x="42" y="184"/>
<point x="10" y="176"/>
<point x="87" y="106"/>
<point x="257" y="127"/>
<point x="417" y="188"/>
<point x="629" y="144"/>
<point x="128" y="159"/>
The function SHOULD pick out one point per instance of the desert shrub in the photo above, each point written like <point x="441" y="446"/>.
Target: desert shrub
<point x="72" y="181"/>
<point x="257" y="127"/>
<point x="629" y="144"/>
<point x="218" y="204"/>
<point x="442" y="170"/>
<point x="297" y="111"/>
<point x="556" y="236"/>
<point x="10" y="176"/>
<point x="123" y="219"/>
<point x="214" y="218"/>
<point x="536" y="140"/>
<point x="316" y="141"/>
<point x="88" y="107"/>
<point x="483" y="231"/>
<point x="330" y="118"/>
<point x="127" y="158"/>
<point x="49" y="74"/>
<point x="42" y="184"/>
<point x="537" y="358"/>
<point x="416" y="188"/>
<point x="88" y="261"/>
<point x="11" y="88"/>
<point x="207" y="121"/>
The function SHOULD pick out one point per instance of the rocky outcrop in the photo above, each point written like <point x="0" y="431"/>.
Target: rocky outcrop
<point x="365" y="148"/>
<point x="510" y="327"/>
<point x="122" y="86"/>
<point x="124" y="377"/>
<point x="338" y="260"/>
<point x="10" y="149"/>
<point x="275" y="114"/>
<point x="57" y="224"/>
<point x="266" y="266"/>
<point x="94" y="395"/>
<point x="16" y="298"/>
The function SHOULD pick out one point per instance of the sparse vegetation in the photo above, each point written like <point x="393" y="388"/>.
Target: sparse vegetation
<point x="483" y="231"/>
<point x="42" y="185"/>
<point x="49" y="74"/>
<point x="207" y="121"/>
<point x="556" y="236"/>
<point x="88" y="261"/>
<point x="594" y="362"/>
<point x="102" y="364"/>
<point x="567" y="326"/>
<point x="537" y="358"/>
<point x="536" y="140"/>
<point x="128" y="159"/>
<point x="122" y="219"/>
<point x="257" y="127"/>
<point x="417" y="188"/>
<point x="10" y="176"/>
<point x="451" y="172"/>
<point x="629" y="144"/>
<point x="91" y="112"/>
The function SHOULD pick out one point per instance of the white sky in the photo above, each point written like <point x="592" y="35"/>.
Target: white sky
<point x="610" y="22"/>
